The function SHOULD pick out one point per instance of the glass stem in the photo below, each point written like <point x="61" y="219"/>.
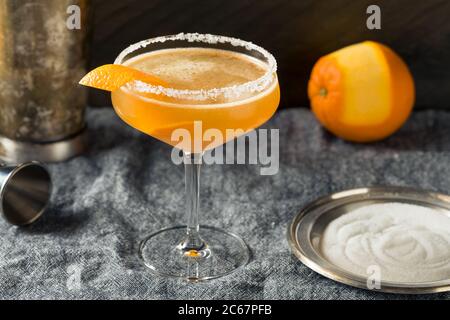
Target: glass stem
<point x="193" y="242"/>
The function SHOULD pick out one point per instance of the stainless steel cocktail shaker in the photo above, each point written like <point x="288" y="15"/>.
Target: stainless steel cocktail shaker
<point x="42" y="56"/>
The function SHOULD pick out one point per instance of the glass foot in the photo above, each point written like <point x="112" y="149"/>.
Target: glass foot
<point x="165" y="254"/>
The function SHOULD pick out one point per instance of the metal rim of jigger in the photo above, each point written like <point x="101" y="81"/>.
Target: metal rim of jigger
<point x="15" y="169"/>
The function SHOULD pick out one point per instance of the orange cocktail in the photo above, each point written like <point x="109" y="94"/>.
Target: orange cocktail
<point x="166" y="84"/>
<point x="197" y="69"/>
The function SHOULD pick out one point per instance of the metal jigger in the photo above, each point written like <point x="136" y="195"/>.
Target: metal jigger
<point x="25" y="191"/>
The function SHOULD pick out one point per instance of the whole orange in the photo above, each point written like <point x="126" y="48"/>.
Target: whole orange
<point x="362" y="93"/>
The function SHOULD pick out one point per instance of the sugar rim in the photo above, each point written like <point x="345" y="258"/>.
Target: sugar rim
<point x="231" y="92"/>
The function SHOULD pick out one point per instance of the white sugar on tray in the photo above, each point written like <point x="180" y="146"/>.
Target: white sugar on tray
<point x="408" y="243"/>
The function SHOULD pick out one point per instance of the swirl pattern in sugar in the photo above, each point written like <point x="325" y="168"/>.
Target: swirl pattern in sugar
<point x="409" y="243"/>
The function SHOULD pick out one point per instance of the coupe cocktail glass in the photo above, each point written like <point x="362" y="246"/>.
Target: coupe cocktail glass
<point x="192" y="252"/>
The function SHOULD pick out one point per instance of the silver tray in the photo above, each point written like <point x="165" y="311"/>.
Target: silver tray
<point x="305" y="232"/>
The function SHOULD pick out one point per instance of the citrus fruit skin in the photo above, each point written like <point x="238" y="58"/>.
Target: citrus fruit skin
<point x="362" y="93"/>
<point x="111" y="77"/>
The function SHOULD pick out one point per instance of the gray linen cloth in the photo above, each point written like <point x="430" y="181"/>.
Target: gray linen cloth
<point x="125" y="187"/>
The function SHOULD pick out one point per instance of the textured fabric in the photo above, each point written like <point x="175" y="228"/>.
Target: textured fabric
<point x="126" y="187"/>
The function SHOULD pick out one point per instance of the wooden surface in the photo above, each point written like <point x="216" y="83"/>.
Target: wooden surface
<point x="296" y="32"/>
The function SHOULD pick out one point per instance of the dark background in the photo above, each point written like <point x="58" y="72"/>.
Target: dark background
<point x="296" y="32"/>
